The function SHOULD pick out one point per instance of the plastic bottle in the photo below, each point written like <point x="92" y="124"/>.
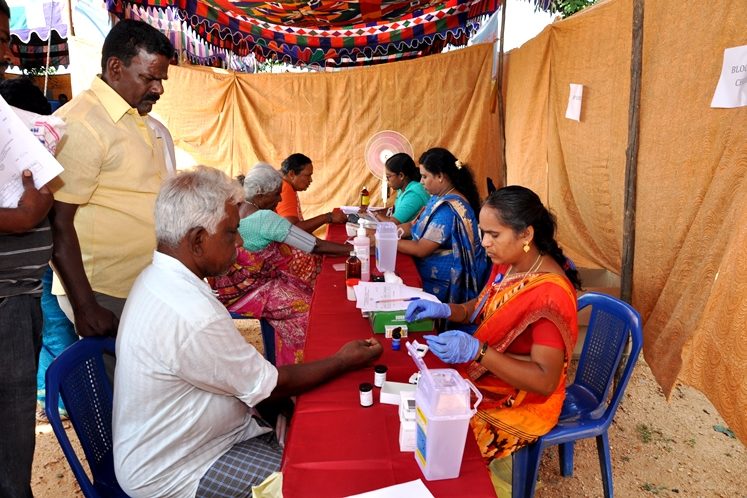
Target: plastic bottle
<point x="386" y="246"/>
<point x="366" y="394"/>
<point x="352" y="267"/>
<point x="362" y="248"/>
<point x="379" y="375"/>
<point x="396" y="337"/>
<point x="365" y="199"/>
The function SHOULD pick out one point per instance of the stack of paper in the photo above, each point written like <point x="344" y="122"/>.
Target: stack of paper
<point x="382" y="296"/>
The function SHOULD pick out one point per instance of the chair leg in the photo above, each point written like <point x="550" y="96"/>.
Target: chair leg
<point x="268" y="339"/>
<point x="565" y="455"/>
<point x="519" y="467"/>
<point x="533" y="463"/>
<point x="605" y="463"/>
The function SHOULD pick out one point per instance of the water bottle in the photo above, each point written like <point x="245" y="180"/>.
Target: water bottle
<point x="386" y="246"/>
<point x="362" y="248"/>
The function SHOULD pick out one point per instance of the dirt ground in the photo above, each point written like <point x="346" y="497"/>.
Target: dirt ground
<point x="659" y="448"/>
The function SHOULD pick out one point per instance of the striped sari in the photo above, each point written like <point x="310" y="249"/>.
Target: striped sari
<point x="275" y="283"/>
<point x="456" y="271"/>
<point x="509" y="418"/>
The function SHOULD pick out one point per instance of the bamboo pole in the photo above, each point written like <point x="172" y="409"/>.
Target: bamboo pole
<point x="499" y="88"/>
<point x="631" y="155"/>
<point x="631" y="168"/>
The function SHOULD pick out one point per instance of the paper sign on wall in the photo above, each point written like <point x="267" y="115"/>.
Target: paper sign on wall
<point x="731" y="90"/>
<point x="574" y="102"/>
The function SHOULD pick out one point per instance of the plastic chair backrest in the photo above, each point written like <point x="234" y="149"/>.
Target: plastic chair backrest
<point x="612" y="321"/>
<point x="78" y="375"/>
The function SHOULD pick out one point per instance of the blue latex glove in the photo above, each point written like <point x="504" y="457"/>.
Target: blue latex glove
<point x="422" y="308"/>
<point x="453" y="346"/>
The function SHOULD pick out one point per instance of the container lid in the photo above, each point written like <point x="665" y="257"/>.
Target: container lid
<point x="386" y="227"/>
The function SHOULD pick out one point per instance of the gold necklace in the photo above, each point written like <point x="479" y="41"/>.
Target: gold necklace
<point x="447" y="192"/>
<point x="498" y="286"/>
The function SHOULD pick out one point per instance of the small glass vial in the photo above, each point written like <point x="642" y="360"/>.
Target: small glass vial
<point x="353" y="267"/>
<point x="366" y="393"/>
<point x="379" y="375"/>
<point x="396" y="336"/>
<point x="365" y="199"/>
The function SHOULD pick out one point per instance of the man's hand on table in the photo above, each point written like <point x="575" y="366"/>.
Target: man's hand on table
<point x="299" y="378"/>
<point x="360" y="353"/>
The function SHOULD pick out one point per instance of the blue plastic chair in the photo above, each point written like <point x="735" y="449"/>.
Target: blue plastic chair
<point x="588" y="409"/>
<point x="268" y="336"/>
<point x="79" y="376"/>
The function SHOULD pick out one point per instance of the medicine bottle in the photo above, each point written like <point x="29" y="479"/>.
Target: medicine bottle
<point x="379" y="375"/>
<point x="396" y="337"/>
<point x="366" y="394"/>
<point x="365" y="199"/>
<point x="352" y="267"/>
<point x="362" y="248"/>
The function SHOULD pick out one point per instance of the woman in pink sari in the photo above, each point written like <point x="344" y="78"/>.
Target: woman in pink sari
<point x="274" y="274"/>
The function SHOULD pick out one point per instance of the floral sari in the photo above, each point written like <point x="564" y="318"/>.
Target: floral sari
<point x="509" y="418"/>
<point x="274" y="283"/>
<point x="456" y="271"/>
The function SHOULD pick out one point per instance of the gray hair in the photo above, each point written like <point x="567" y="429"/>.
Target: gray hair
<point x="261" y="179"/>
<point x="194" y="198"/>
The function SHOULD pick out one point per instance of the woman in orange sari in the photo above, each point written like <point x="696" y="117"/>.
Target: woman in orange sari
<point x="526" y="325"/>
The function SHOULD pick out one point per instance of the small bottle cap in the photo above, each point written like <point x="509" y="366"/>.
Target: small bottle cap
<point x="380" y="369"/>
<point x="365" y="386"/>
<point x="396" y="334"/>
<point x="352" y="282"/>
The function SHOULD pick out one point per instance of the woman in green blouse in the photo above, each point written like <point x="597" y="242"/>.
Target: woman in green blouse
<point x="403" y="176"/>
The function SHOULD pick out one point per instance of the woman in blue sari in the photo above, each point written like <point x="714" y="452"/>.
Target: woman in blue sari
<point x="445" y="240"/>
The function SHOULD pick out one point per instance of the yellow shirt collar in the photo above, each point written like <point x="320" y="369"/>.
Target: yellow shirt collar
<point x="113" y="103"/>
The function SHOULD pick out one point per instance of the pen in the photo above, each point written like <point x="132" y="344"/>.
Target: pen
<point x="394" y="300"/>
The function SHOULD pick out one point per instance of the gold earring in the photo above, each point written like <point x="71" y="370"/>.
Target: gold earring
<point x="526" y="246"/>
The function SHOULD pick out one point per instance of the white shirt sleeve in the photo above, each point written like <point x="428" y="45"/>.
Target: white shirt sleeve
<point x="220" y="361"/>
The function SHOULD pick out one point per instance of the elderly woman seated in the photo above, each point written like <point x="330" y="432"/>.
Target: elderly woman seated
<point x="275" y="271"/>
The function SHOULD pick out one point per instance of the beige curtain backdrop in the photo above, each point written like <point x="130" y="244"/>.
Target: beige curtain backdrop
<point x="691" y="224"/>
<point x="691" y="240"/>
<point x="231" y="121"/>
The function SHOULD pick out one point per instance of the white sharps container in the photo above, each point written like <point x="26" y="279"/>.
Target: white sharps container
<point x="442" y="401"/>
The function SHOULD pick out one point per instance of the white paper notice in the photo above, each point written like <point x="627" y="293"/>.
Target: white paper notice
<point x="731" y="90"/>
<point x="20" y="150"/>
<point x="412" y="489"/>
<point x="381" y="296"/>
<point x="574" y="102"/>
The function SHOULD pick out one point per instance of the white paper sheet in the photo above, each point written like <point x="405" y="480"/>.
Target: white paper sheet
<point x="731" y="90"/>
<point x="369" y="294"/>
<point x="412" y="489"/>
<point x="19" y="150"/>
<point x="575" y="97"/>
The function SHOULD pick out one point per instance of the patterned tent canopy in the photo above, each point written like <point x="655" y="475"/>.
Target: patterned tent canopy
<point x="323" y="32"/>
<point x="38" y="26"/>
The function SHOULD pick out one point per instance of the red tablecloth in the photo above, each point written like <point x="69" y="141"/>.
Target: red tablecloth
<point x="336" y="447"/>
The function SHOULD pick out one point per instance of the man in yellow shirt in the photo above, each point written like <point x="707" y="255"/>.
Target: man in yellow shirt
<point x="102" y="218"/>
